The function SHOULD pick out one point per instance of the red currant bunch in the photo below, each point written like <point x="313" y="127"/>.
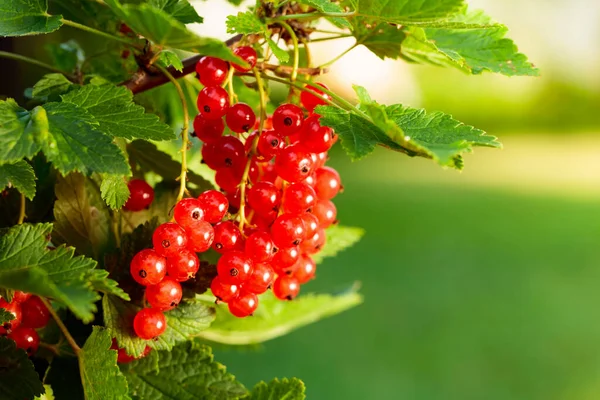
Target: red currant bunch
<point x="30" y="314"/>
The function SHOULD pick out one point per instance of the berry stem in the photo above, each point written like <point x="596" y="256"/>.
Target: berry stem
<point x="232" y="95"/>
<point x="100" y="33"/>
<point x="21" y="210"/>
<point x="311" y="16"/>
<point x="292" y="34"/>
<point x="62" y="327"/>
<point x="324" y="39"/>
<point x="19" y="57"/>
<point x="184" y="132"/>
<point x="342" y="54"/>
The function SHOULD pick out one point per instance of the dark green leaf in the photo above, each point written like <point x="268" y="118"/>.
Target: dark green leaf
<point x="18" y="378"/>
<point x="114" y="191"/>
<point x="19" y="175"/>
<point x="27" y="17"/>
<point x="328" y="6"/>
<point x="288" y="389"/>
<point x="100" y="375"/>
<point x="182" y="10"/>
<point x="168" y="58"/>
<point x="338" y="238"/>
<point x="383" y="39"/>
<point x="16" y="133"/>
<point x="51" y="85"/>
<point x="66" y="56"/>
<point x="188" y="372"/>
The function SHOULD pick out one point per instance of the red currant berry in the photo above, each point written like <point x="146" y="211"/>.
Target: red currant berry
<point x="213" y="102"/>
<point x="294" y="163"/>
<point x="208" y="130"/>
<point x="182" y="266"/>
<point x="326" y="212"/>
<point x="212" y="71"/>
<point x="169" y="239"/>
<point x="234" y="267"/>
<point x="209" y="155"/>
<point x="264" y="198"/>
<point x="240" y="118"/>
<point x="247" y="54"/>
<point x="188" y="213"/>
<point x="259" y="247"/>
<point x="141" y="195"/>
<point x="264" y="222"/>
<point x="287" y="119"/>
<point x="227" y="237"/>
<point x="262" y="277"/>
<point x="224" y="292"/>
<point x="228" y="179"/>
<point x="284" y="260"/>
<point x="149" y="323"/>
<point x="230" y="152"/>
<point x="123" y="357"/>
<point x="214" y="204"/>
<point x="26" y="339"/>
<point x="327" y="183"/>
<point x="201" y="237"/>
<point x="234" y="199"/>
<point x="148" y="267"/>
<point x="286" y="287"/>
<point x="310" y="101"/>
<point x="320" y="159"/>
<point x="269" y="144"/>
<point x="287" y="231"/>
<point x="267" y="125"/>
<point x="298" y="198"/>
<point x="20" y="297"/>
<point x="268" y="173"/>
<point x="165" y="295"/>
<point x="311" y="224"/>
<point x="15" y="309"/>
<point x="315" y="243"/>
<point x="314" y="137"/>
<point x="34" y="313"/>
<point x="243" y="305"/>
<point x="304" y="269"/>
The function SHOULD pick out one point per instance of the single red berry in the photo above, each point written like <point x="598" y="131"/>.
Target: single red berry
<point x="244" y="304"/>
<point x="228" y="179"/>
<point x="240" y="118"/>
<point x="148" y="267"/>
<point x="227" y="237"/>
<point x="305" y="269"/>
<point x="268" y="173"/>
<point x="298" y="198"/>
<point x="259" y="247"/>
<point x="169" y="239"/>
<point x="209" y="155"/>
<point x="326" y="212"/>
<point x="208" y="130"/>
<point x="212" y="71"/>
<point x="311" y="224"/>
<point x="261" y="279"/>
<point x="314" y="244"/>
<point x="224" y="292"/>
<point x="182" y="266"/>
<point x="270" y="143"/>
<point x="15" y="309"/>
<point x="214" y="204"/>
<point x="213" y="102"/>
<point x="247" y="54"/>
<point x="20" y="297"/>
<point x="123" y="357"/>
<point x="294" y="163"/>
<point x="314" y="137"/>
<point x="264" y="222"/>
<point x="310" y="101"/>
<point x="264" y="198"/>
<point x="234" y="267"/>
<point x="165" y="295"/>
<point x="286" y="287"/>
<point x="327" y="183"/>
<point x="149" y="323"/>
<point x="234" y="199"/>
<point x="34" y="313"/>
<point x="287" y="231"/>
<point x="229" y="151"/>
<point x="287" y="119"/>
<point x="201" y="237"/>
<point x="141" y="195"/>
<point x="319" y="159"/>
<point x="284" y="260"/>
<point x="26" y="339"/>
<point x="188" y="213"/>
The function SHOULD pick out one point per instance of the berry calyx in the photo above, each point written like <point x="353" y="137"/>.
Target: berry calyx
<point x="148" y="267"/>
<point x="227" y="237"/>
<point x="26" y="339"/>
<point x="141" y="195"/>
<point x="149" y="323"/>
<point x="247" y="54"/>
<point x="34" y="313"/>
<point x="294" y="163"/>
<point x="287" y="119"/>
<point x="212" y="71"/>
<point x="165" y="295"/>
<point x="309" y="100"/>
<point x="240" y="118"/>
<point x="169" y="239"/>
<point x="214" y="204"/>
<point x="188" y="213"/>
<point x="287" y="231"/>
<point x="244" y="304"/>
<point x="234" y="267"/>
<point x="286" y="287"/>
<point x="213" y="102"/>
<point x="208" y="130"/>
<point x="224" y="292"/>
<point x="183" y="266"/>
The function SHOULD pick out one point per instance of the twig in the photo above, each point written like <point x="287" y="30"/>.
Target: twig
<point x="19" y="57"/>
<point x="22" y="210"/>
<point x="62" y="327"/>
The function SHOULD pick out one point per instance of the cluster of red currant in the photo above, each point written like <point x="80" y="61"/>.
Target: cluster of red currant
<point x="30" y="314"/>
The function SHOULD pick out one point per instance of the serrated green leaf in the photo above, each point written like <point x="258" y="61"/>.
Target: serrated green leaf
<point x="184" y="322"/>
<point x="275" y="318"/>
<point x="288" y="389"/>
<point x="18" y="378"/>
<point x="116" y="113"/>
<point x="203" y="377"/>
<point x="5" y="316"/>
<point x="181" y="10"/>
<point x="49" y="395"/>
<point x="51" y="85"/>
<point x="81" y="220"/>
<point x="168" y="58"/>
<point x="328" y="6"/>
<point x="245" y="23"/>
<point x="114" y="191"/>
<point x="100" y="375"/>
<point x="20" y="175"/>
<point x="338" y="238"/>
<point x="27" y="17"/>
<point x="66" y="56"/>
<point x="407" y="12"/>
<point x="16" y="135"/>
<point x="383" y="39"/>
<point x="278" y="52"/>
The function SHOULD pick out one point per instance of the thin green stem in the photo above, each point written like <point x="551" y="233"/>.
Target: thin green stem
<point x="19" y="57"/>
<point x="184" y="132"/>
<point x="62" y="327"/>
<point x="310" y="16"/>
<point x="22" y="210"/>
<point x="229" y="82"/>
<point x="294" y="38"/>
<point x="331" y="32"/>
<point x="339" y="56"/>
<point x="324" y="39"/>
<point x="100" y="33"/>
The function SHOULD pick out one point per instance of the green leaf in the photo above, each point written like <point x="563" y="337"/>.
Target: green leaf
<point x="20" y="175"/>
<point x="27" y="17"/>
<point x="167" y="58"/>
<point x="328" y="6"/>
<point x="188" y="372"/>
<point x="81" y="220"/>
<point x="245" y="23"/>
<point x="288" y="389"/>
<point x="181" y="10"/>
<point x="116" y="113"/>
<point x="51" y="85"/>
<point x="338" y="238"/>
<point x="407" y="12"/>
<point x="26" y="264"/>
<point x="98" y="279"/>
<point x="18" y="378"/>
<point x="49" y="395"/>
<point x="114" y="191"/>
<point x="383" y="39"/>
<point x="5" y="316"/>
<point x="100" y="375"/>
<point x="66" y="56"/>
<point x="282" y="55"/>
<point x="183" y="323"/>
<point x="16" y="135"/>
<point x="275" y="318"/>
